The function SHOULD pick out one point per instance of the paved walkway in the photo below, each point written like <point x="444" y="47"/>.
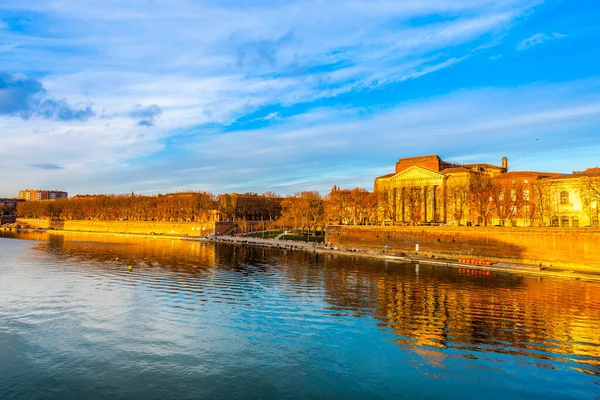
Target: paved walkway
<point x="264" y="242"/>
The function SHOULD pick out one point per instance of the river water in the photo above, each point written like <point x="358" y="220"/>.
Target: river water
<point x="196" y="320"/>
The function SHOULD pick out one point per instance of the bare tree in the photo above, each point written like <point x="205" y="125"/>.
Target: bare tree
<point x="589" y="192"/>
<point x="541" y="200"/>
<point x="413" y="200"/>
<point x="457" y="194"/>
<point x="482" y="189"/>
<point x="508" y="199"/>
<point x="387" y="203"/>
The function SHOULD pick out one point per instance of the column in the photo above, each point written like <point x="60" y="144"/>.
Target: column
<point x="425" y="204"/>
<point x="394" y="212"/>
<point x="434" y="216"/>
<point x="444" y="203"/>
<point x="403" y="204"/>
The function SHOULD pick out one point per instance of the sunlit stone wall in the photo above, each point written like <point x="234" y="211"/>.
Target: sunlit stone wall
<point x="139" y="227"/>
<point x="576" y="248"/>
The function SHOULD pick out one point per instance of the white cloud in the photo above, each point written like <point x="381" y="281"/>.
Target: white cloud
<point x="537" y="39"/>
<point x="209" y="63"/>
<point x="189" y="52"/>
<point x="328" y="146"/>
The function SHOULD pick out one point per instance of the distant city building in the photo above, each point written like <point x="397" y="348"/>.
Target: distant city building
<point x="427" y="190"/>
<point x="39" y="195"/>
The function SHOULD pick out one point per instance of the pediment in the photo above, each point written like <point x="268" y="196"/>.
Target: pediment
<point x="415" y="173"/>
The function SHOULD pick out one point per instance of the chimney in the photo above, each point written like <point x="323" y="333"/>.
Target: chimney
<point x="505" y="164"/>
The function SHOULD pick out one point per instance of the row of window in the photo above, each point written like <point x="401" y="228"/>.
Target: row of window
<point x="564" y="196"/>
<point x="571" y="222"/>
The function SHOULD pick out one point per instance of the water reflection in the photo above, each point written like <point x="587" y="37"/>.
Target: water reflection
<point x="434" y="312"/>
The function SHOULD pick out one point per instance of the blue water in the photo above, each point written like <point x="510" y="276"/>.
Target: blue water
<point x="193" y="320"/>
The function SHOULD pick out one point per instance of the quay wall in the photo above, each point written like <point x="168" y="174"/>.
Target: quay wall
<point x="573" y="248"/>
<point x="136" y="227"/>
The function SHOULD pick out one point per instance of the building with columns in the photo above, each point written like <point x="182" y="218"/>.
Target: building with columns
<point x="426" y="190"/>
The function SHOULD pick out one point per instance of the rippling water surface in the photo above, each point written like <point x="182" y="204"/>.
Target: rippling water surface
<point x="194" y="320"/>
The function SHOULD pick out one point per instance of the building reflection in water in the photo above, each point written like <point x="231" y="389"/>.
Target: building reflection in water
<point x="429" y="309"/>
<point x="438" y="308"/>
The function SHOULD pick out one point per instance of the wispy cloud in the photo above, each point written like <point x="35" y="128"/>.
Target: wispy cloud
<point x="246" y="57"/>
<point x="46" y="166"/>
<point x="301" y="70"/>
<point x="348" y="147"/>
<point x="537" y="39"/>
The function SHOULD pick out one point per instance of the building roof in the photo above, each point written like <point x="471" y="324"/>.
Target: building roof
<point x="530" y="173"/>
<point x="591" y="172"/>
<point x="410" y="160"/>
<point x="386" y="176"/>
<point x="587" y="172"/>
<point x="482" y="165"/>
<point x="456" y="169"/>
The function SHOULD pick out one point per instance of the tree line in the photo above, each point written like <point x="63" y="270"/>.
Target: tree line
<point x="480" y="200"/>
<point x="307" y="209"/>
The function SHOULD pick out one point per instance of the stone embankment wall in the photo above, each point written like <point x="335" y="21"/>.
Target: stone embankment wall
<point x="137" y="227"/>
<point x="575" y="248"/>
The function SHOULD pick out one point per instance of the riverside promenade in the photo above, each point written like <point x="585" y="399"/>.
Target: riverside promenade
<point x="285" y="244"/>
<point x="400" y="258"/>
<point x="564" y="248"/>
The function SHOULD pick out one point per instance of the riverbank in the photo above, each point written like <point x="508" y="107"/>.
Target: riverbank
<point x="563" y="248"/>
<point x="150" y="228"/>
<point x="393" y="254"/>
<point x="405" y="258"/>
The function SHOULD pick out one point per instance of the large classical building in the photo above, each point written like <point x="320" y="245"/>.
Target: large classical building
<point x="428" y="190"/>
<point x="38" y="195"/>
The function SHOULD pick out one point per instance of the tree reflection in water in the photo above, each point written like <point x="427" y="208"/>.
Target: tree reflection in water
<point x="432" y="310"/>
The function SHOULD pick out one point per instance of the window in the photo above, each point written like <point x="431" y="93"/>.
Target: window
<point x="501" y="196"/>
<point x="595" y="221"/>
<point x="554" y="221"/>
<point x="513" y="194"/>
<point x="526" y="195"/>
<point x="564" y="197"/>
<point x="513" y="210"/>
<point x="575" y="222"/>
<point x="564" y="221"/>
<point x="526" y="181"/>
<point x="527" y="210"/>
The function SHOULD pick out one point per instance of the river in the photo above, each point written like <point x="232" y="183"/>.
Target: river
<point x="103" y="317"/>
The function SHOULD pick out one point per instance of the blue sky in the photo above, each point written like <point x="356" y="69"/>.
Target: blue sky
<point x="107" y="96"/>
